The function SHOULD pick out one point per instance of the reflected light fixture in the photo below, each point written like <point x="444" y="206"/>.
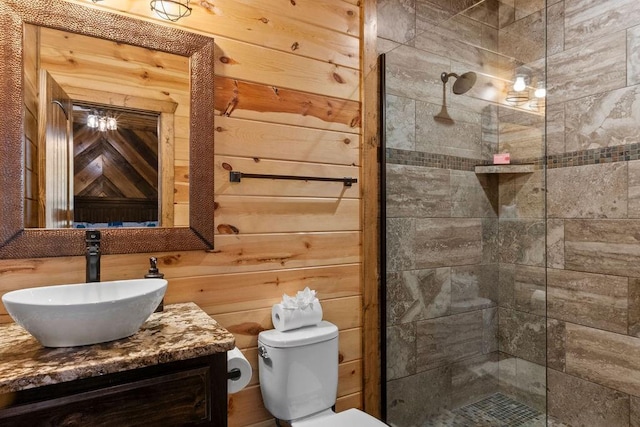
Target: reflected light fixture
<point x="518" y="95"/>
<point x="540" y="92"/>
<point x="520" y="84"/>
<point x="538" y="102"/>
<point x="171" y="10"/>
<point x="101" y="122"/>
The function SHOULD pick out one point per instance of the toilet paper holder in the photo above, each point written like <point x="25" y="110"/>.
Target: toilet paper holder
<point x="234" y="374"/>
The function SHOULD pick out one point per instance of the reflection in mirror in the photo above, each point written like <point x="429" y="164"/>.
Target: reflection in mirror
<point x="109" y="178"/>
<point x="26" y="57"/>
<point x="115" y="168"/>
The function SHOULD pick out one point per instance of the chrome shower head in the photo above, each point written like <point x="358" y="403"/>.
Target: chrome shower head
<point x="462" y="84"/>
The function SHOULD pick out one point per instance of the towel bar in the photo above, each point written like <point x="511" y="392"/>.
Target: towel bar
<point x="237" y="177"/>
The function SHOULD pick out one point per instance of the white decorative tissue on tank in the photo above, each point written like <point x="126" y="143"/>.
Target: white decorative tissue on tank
<point x="296" y="312"/>
<point x="236" y="360"/>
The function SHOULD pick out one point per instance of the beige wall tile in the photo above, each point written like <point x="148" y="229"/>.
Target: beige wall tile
<point x="590" y="191"/>
<point x="633" y="55"/>
<point x="588" y="20"/>
<point x="603" y="246"/>
<point x="473" y="379"/>
<point x="473" y="287"/>
<point x="400" y="244"/>
<point x="447" y="41"/>
<point x="412" y="73"/>
<point x="485" y="12"/>
<point x="397" y="20"/>
<point x="415" y="398"/>
<point x="555" y="243"/>
<point x="473" y="195"/>
<point x="418" y="295"/>
<point x="522" y="334"/>
<point x="634" y="306"/>
<point x="521" y="241"/>
<point x="463" y="138"/>
<point x="449" y="339"/>
<point x="432" y="12"/>
<point x="556" y="344"/>
<point x="529" y="289"/>
<point x="603" y="357"/>
<point x="634" y="188"/>
<point x="408" y="196"/>
<point x="606" y="119"/>
<point x="400" y="125"/>
<point x="444" y="242"/>
<point x="527" y="7"/>
<point x="521" y="134"/>
<point x="593" y="67"/>
<point x="522" y="380"/>
<point x="555" y="28"/>
<point x="401" y="350"/>
<point x="634" y="418"/>
<point x="524" y="39"/>
<point x="555" y="129"/>
<point x="588" y="299"/>
<point x="581" y="403"/>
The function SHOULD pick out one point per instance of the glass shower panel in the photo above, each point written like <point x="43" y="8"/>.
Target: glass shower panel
<point x="465" y="239"/>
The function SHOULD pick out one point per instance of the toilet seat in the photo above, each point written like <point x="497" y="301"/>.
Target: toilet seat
<point x="349" y="418"/>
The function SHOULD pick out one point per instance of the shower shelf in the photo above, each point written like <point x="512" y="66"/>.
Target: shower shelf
<point x="528" y="168"/>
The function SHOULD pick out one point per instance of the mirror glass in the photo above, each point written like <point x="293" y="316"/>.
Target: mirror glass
<point x="125" y="99"/>
<point x="60" y="55"/>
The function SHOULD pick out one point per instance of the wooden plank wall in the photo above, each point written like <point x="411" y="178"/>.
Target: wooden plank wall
<point x="288" y="101"/>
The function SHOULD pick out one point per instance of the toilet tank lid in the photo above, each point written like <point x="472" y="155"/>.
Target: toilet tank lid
<point x="323" y="331"/>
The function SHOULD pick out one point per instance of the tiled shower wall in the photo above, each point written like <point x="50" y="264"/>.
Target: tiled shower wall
<point x="465" y="283"/>
<point x="594" y="212"/>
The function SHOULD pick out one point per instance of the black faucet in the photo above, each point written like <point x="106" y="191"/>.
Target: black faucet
<point x="92" y="238"/>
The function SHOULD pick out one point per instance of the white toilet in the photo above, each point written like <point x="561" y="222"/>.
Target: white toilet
<point x="299" y="377"/>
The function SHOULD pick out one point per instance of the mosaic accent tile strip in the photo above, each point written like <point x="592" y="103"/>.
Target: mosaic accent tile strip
<point x="594" y="156"/>
<point x="621" y="153"/>
<point x="431" y="160"/>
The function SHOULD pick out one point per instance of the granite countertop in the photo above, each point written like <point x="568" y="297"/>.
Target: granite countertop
<point x="180" y="332"/>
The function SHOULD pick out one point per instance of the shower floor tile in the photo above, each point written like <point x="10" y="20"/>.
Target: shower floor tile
<point x="496" y="410"/>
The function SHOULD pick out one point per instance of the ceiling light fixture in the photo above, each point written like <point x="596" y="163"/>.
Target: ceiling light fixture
<point x="171" y="10"/>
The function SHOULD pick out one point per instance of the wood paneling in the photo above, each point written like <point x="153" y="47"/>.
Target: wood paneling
<point x="256" y="140"/>
<point x="252" y="214"/>
<point x="289" y="90"/>
<point x="371" y="158"/>
<point x="240" y="99"/>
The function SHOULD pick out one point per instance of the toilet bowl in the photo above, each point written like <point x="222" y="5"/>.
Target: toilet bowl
<point x="349" y="418"/>
<point x="298" y="372"/>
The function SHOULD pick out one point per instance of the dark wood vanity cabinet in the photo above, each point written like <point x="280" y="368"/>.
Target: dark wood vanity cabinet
<point x="189" y="392"/>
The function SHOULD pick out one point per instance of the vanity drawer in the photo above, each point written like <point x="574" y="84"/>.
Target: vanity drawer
<point x="190" y="392"/>
<point x="175" y="399"/>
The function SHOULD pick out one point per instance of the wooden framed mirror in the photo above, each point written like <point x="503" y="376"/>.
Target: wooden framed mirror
<point x="16" y="241"/>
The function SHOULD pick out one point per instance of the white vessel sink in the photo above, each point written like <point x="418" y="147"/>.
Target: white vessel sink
<point x="85" y="313"/>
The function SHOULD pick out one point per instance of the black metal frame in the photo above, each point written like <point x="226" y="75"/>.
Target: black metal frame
<point x="383" y="237"/>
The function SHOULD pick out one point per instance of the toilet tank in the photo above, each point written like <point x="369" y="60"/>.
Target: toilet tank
<point x="299" y="370"/>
